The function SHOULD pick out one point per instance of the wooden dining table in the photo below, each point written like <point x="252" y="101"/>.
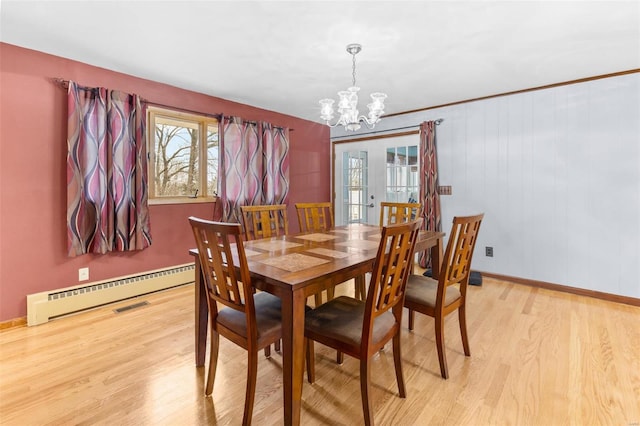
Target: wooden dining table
<point x="294" y="267"/>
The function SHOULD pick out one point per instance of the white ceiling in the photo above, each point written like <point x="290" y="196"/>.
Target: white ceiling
<point x="284" y="56"/>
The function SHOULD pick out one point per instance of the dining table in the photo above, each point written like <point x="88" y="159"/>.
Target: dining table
<point x="294" y="267"/>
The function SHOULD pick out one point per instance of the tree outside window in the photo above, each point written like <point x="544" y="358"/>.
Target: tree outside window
<point x="184" y="156"/>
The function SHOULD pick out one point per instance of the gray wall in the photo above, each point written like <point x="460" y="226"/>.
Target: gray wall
<point x="557" y="174"/>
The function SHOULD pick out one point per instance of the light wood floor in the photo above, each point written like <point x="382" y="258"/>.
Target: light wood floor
<point x="537" y="358"/>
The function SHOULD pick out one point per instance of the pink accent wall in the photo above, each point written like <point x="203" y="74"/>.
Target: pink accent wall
<point x="33" y="175"/>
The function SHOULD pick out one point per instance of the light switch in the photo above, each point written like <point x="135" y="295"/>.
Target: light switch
<point x="444" y="190"/>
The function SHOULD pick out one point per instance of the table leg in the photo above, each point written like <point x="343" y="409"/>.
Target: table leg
<point x="293" y="309"/>
<point x="201" y="315"/>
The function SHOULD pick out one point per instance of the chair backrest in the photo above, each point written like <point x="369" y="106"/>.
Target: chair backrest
<point x="391" y="213"/>
<point x="314" y="217"/>
<point x="456" y="263"/>
<point x="217" y="244"/>
<point x="391" y="271"/>
<point x="265" y="221"/>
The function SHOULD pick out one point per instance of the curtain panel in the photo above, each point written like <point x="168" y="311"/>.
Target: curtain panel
<point x="107" y="189"/>
<point x="256" y="166"/>
<point x="429" y="196"/>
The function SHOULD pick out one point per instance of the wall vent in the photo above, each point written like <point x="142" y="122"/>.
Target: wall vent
<point x="130" y="307"/>
<point x="41" y="307"/>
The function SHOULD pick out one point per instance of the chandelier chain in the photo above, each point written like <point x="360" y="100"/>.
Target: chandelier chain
<point x="353" y="72"/>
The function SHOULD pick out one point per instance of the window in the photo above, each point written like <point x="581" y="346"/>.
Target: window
<point x="403" y="181"/>
<point x="183" y="156"/>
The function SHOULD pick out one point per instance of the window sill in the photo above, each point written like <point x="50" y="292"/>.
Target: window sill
<point x="182" y="200"/>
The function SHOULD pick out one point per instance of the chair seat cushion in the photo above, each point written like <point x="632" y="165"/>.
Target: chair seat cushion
<point x="424" y="290"/>
<point x="342" y="319"/>
<point x="268" y="315"/>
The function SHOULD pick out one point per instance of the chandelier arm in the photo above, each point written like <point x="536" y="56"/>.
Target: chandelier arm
<point x="367" y="122"/>
<point x="331" y="125"/>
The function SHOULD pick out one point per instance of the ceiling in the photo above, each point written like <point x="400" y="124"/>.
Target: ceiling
<point x="285" y="56"/>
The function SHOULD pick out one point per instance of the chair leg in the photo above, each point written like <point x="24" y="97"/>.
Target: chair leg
<point x="213" y="362"/>
<point x="364" y="391"/>
<point x="411" y="318"/>
<point x="252" y="375"/>
<point x="339" y="357"/>
<point x="277" y="346"/>
<point x="397" y="360"/>
<point x="442" y="356"/>
<point x="267" y="351"/>
<point x="317" y="299"/>
<point x="462" y="319"/>
<point x="311" y="360"/>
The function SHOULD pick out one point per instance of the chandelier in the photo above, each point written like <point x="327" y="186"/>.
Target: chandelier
<point x="348" y="103"/>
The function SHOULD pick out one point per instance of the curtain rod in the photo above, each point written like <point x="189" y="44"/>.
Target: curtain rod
<point x="217" y="116"/>
<point x="65" y="85"/>
<point x="437" y="121"/>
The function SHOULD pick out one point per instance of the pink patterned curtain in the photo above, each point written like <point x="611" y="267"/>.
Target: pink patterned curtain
<point x="429" y="196"/>
<point x="106" y="172"/>
<point x="275" y="182"/>
<point x="255" y="164"/>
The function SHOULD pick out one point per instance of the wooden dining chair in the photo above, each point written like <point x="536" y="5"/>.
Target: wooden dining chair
<point x="361" y="328"/>
<point x="264" y="221"/>
<point x="391" y="213"/>
<point x="438" y="298"/>
<point x="316" y="217"/>
<point x="248" y="318"/>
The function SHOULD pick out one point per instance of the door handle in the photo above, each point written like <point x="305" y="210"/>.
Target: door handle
<point x="370" y="205"/>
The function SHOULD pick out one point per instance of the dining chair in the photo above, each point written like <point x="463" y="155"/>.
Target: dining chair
<point x="391" y="212"/>
<point x="316" y="217"/>
<point x="248" y="318"/>
<point x="438" y="298"/>
<point x="361" y="328"/>
<point x="264" y="221"/>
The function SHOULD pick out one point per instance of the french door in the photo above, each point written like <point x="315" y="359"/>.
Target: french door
<point x="367" y="172"/>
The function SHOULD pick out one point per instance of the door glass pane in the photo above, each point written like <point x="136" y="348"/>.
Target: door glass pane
<point x="355" y="187"/>
<point x="391" y="177"/>
<point x="401" y="156"/>
<point x="413" y="155"/>
<point x="402" y="173"/>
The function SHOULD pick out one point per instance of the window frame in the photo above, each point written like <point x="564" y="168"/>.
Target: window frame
<point x="203" y="122"/>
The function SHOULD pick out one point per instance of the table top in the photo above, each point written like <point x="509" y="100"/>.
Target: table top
<point x="301" y="259"/>
<point x="295" y="261"/>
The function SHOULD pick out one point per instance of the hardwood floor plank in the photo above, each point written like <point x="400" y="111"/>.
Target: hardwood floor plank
<point x="538" y="357"/>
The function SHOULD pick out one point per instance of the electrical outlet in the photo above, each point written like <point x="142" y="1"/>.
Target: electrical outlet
<point x="83" y="274"/>
<point x="488" y="251"/>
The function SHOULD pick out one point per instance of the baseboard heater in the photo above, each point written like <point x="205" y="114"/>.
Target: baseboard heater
<point x="41" y="307"/>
